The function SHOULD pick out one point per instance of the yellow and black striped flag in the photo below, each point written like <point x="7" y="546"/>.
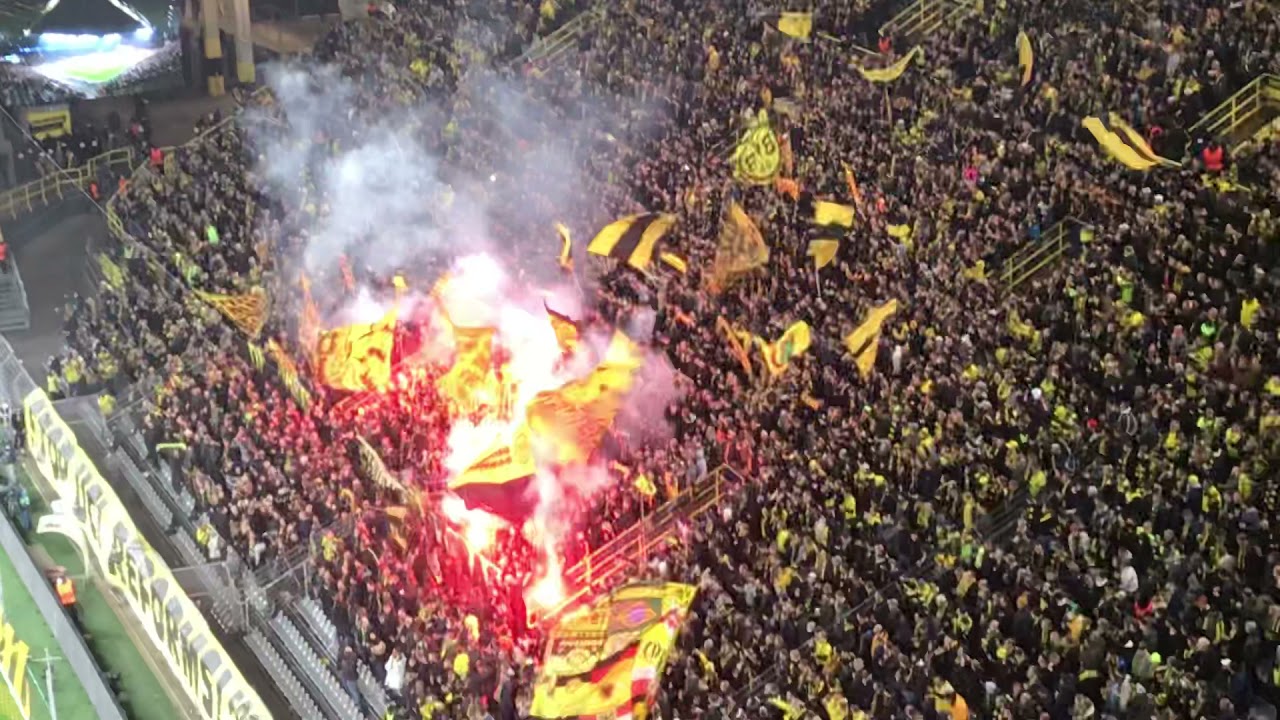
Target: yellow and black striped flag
<point x="864" y="342"/>
<point x="632" y="239"/>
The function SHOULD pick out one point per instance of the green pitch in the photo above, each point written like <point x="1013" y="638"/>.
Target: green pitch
<point x="93" y="71"/>
<point x="20" y="611"/>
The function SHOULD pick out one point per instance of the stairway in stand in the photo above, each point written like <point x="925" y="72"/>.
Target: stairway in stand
<point x="15" y="312"/>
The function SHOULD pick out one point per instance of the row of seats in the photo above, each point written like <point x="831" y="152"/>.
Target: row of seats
<point x="321" y="675"/>
<point x="283" y="677"/>
<point x="324" y="637"/>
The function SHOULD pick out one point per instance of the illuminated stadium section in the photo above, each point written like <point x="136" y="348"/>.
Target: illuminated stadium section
<point x="91" y="59"/>
<point x="89" y="48"/>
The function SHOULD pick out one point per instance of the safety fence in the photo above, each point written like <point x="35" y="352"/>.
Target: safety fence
<point x="1252" y="111"/>
<point x="1040" y="254"/>
<point x="922" y="18"/>
<point x="59" y="183"/>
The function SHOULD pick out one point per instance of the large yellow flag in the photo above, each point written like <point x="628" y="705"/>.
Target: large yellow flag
<point x="498" y="481"/>
<point x="358" y="357"/>
<point x="470" y="383"/>
<point x="864" y="342"/>
<point x="1132" y="151"/>
<point x="570" y="422"/>
<point x="793" y="343"/>
<point x="757" y="159"/>
<point x="247" y="311"/>
<point x="742" y="248"/>
<point x="889" y="73"/>
<point x="607" y="660"/>
<point x="796" y="24"/>
<point x="632" y="239"/>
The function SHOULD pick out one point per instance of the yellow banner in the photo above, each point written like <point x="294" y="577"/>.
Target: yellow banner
<point x="864" y="342"/>
<point x="13" y="665"/>
<point x="566" y="247"/>
<point x="567" y="334"/>
<point x="793" y="343"/>
<point x="358" y="357"/>
<point x="892" y="72"/>
<point x="470" y="383"/>
<point x="247" y="311"/>
<point x="52" y="121"/>
<point x="796" y="24"/>
<point x="1132" y="151"/>
<point x="570" y="421"/>
<point x="608" y="659"/>
<point x="121" y="555"/>
<point x="757" y="159"/>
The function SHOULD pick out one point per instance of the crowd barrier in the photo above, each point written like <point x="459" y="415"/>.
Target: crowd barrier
<point x="112" y="546"/>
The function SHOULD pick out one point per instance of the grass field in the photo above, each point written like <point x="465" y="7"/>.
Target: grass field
<point x="20" y="611"/>
<point x="95" y="68"/>
<point x="144" y="696"/>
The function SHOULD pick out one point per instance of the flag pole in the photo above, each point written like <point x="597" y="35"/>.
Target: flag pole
<point x="817" y="279"/>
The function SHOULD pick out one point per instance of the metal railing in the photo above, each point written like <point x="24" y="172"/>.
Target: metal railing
<point x="922" y="18"/>
<point x="562" y="39"/>
<point x="1030" y="260"/>
<point x="1238" y="118"/>
<point x="608" y="564"/>
<point x="55" y="186"/>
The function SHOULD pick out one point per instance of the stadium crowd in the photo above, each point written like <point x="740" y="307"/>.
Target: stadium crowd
<point x="1052" y="502"/>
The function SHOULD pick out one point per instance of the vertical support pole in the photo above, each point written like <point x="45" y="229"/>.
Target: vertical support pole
<point x="210" y="14"/>
<point x="245" y="70"/>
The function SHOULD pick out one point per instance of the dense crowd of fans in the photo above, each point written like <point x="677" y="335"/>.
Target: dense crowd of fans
<point x="1122" y="411"/>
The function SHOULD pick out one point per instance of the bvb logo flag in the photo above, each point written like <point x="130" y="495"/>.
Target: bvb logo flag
<point x="247" y="311"/>
<point x="742" y="248"/>
<point x="864" y="342"/>
<point x="632" y="239"/>
<point x="757" y="159"/>
<point x="358" y="357"/>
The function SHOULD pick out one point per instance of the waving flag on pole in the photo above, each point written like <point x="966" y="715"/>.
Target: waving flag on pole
<point x="632" y="239"/>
